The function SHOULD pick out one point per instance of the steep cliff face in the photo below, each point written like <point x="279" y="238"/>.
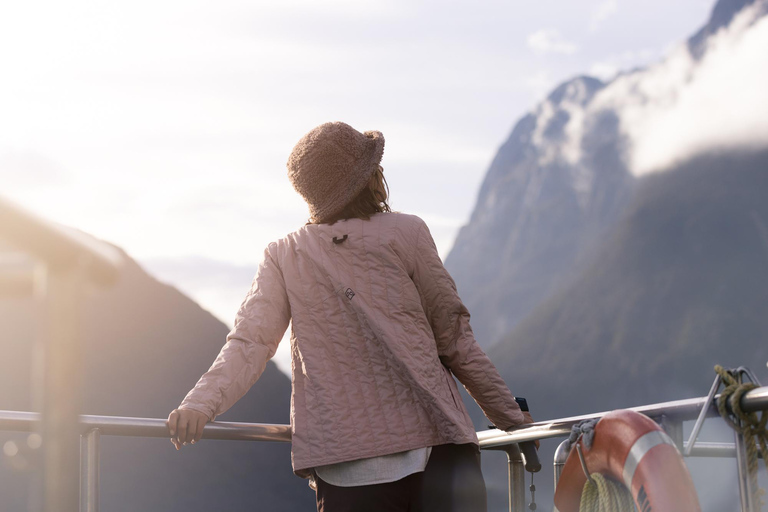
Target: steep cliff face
<point x="619" y="247"/>
<point x="679" y="285"/>
<point x="567" y="170"/>
<point x="546" y="196"/>
<point x="146" y="345"/>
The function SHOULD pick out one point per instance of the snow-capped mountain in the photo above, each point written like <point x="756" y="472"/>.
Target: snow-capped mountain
<point x="546" y="196"/>
<point x="618" y="248"/>
<point x="567" y="171"/>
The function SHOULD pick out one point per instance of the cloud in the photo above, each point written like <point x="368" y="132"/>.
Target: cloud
<point x="682" y="107"/>
<point x="552" y="150"/>
<point x="602" y="12"/>
<point x="549" y="40"/>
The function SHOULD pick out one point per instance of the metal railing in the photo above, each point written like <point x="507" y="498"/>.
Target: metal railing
<point x="669" y="414"/>
<point x="55" y="265"/>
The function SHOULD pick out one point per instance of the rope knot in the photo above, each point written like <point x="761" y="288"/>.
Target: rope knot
<point x="749" y="424"/>
<point x="584" y="429"/>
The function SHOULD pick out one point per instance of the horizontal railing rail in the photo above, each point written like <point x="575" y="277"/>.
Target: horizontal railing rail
<point x="679" y="410"/>
<point x="152" y="427"/>
<point x="93" y="427"/>
<point x="676" y="411"/>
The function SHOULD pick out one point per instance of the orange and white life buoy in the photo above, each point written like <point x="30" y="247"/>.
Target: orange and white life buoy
<point x="633" y="449"/>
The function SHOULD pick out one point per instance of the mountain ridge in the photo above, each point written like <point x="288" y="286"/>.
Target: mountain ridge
<point x="630" y="296"/>
<point x="566" y="172"/>
<point x="145" y="346"/>
<point x="534" y="199"/>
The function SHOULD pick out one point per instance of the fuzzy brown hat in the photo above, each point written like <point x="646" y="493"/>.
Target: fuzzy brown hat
<point x="332" y="164"/>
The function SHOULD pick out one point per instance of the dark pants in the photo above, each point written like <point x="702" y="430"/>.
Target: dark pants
<point x="452" y="482"/>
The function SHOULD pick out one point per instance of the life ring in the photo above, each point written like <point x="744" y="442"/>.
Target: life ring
<point x="633" y="449"/>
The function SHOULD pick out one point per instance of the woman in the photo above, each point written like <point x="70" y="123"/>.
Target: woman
<point x="378" y="331"/>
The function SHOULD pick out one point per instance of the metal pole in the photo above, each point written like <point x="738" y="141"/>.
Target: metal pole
<point x="674" y="429"/>
<point x="516" y="473"/>
<point x="680" y="410"/>
<point x="37" y="385"/>
<point x="745" y="489"/>
<point x="561" y="455"/>
<point x="702" y="416"/>
<point x="724" y="450"/>
<point x="90" y="448"/>
<point x="61" y="400"/>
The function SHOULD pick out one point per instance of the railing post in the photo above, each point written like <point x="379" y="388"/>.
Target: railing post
<point x="561" y="455"/>
<point x="516" y="475"/>
<point x="745" y="487"/>
<point x="90" y="448"/>
<point x="61" y="400"/>
<point x="674" y="429"/>
<point x="745" y="490"/>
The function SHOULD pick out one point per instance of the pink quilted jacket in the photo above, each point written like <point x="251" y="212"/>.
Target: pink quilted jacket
<point x="377" y="331"/>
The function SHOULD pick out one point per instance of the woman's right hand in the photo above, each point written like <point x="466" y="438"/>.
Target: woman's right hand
<point x="186" y="426"/>
<point x="527" y="418"/>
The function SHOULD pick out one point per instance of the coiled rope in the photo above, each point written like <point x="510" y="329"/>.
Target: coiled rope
<point x="749" y="424"/>
<point x="600" y="494"/>
<point x="605" y="495"/>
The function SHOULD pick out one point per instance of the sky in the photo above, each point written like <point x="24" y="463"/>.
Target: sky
<point x="164" y="126"/>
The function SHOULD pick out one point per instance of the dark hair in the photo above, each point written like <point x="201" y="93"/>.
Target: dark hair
<point x="372" y="199"/>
